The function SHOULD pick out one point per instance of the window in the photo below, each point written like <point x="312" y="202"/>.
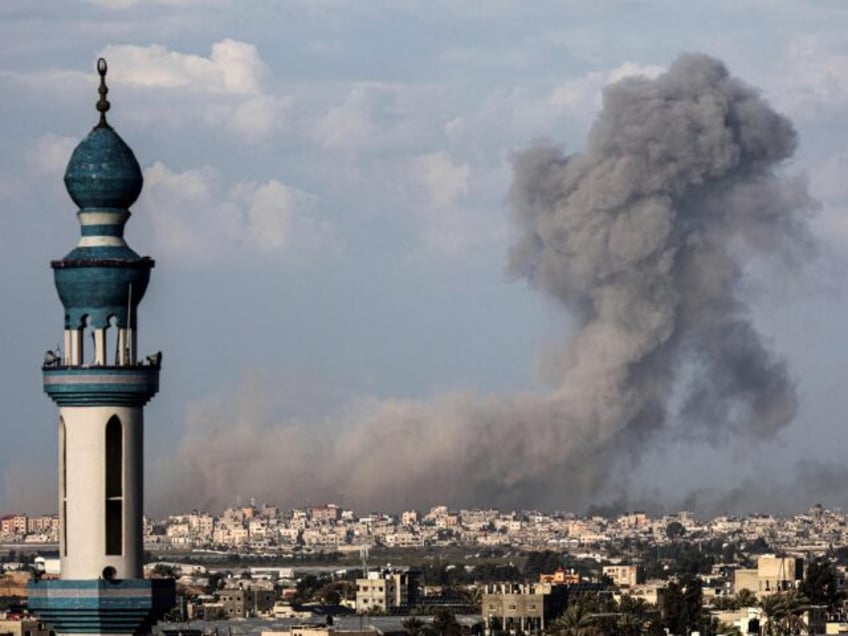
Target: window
<point x="114" y="486"/>
<point x="63" y="485"/>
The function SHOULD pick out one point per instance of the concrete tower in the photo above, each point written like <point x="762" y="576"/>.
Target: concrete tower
<point x="101" y="388"/>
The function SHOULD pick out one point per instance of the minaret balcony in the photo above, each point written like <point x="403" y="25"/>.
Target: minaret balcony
<point x="97" y="385"/>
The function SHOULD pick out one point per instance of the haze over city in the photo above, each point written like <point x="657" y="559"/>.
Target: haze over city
<point x="379" y="275"/>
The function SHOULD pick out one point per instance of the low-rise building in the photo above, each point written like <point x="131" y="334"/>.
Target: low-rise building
<point x="24" y="627"/>
<point x="526" y="607"/>
<point x="238" y="603"/>
<point x="773" y="574"/>
<point x="625" y="575"/>
<point x="385" y="591"/>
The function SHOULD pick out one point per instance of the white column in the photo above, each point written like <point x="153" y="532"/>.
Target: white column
<point x="123" y="357"/>
<point x="76" y="347"/>
<point x="100" y="346"/>
<point x="66" y="352"/>
<point x="85" y="490"/>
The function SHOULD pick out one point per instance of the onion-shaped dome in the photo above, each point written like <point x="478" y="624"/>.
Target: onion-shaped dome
<point x="103" y="171"/>
<point x="102" y="277"/>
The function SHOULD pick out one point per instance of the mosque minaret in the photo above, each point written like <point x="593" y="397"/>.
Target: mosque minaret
<point x="101" y="386"/>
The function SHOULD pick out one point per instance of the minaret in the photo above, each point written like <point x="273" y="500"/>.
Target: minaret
<point x="101" y="388"/>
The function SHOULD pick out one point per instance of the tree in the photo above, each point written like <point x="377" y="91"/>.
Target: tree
<point x="783" y="613"/>
<point x="637" y="617"/>
<point x="307" y="587"/>
<point x="414" y="626"/>
<point x="575" y="621"/>
<point x="819" y="584"/>
<point x="165" y="571"/>
<point x="445" y="624"/>
<point x="746" y="598"/>
<point x="537" y="563"/>
<point x="682" y="605"/>
<point x="675" y="530"/>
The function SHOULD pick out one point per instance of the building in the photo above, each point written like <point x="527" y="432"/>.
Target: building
<point x="24" y="627"/>
<point x="772" y="574"/>
<point x="248" y="603"/>
<point x="325" y="514"/>
<point x="385" y="591"/>
<point x="321" y="630"/>
<point x="560" y="577"/>
<point x="625" y="575"/>
<point x="101" y="393"/>
<point x="525" y="607"/>
<point x="15" y="524"/>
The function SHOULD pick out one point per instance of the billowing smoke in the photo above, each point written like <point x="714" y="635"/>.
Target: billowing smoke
<point x="644" y="238"/>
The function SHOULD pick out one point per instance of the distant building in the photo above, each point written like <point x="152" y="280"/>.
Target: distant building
<point x="409" y="518"/>
<point x="236" y="603"/>
<point x="772" y="574"/>
<point x="385" y="591"/>
<point x="525" y="607"/>
<point x="325" y="514"/>
<point x="625" y="575"/>
<point x="13" y="524"/>
<point x="320" y="630"/>
<point x="25" y="627"/>
<point x="560" y="577"/>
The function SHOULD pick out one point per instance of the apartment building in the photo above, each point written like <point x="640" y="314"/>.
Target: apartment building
<point x="625" y="575"/>
<point x="247" y="603"/>
<point x="386" y="590"/>
<point x="525" y="607"/>
<point x="772" y="574"/>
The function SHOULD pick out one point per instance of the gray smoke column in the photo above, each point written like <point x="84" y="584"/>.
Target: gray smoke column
<point x="643" y="238"/>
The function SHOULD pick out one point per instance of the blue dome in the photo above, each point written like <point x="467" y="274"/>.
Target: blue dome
<point x="103" y="171"/>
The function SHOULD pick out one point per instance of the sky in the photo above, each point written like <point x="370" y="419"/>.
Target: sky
<point x="327" y="197"/>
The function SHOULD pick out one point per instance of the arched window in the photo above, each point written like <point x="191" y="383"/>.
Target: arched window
<point x="114" y="486"/>
<point x="63" y="486"/>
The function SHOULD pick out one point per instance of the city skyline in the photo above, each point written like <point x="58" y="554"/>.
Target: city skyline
<point x="334" y="230"/>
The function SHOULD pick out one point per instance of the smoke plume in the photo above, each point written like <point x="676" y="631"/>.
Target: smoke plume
<point x="644" y="238"/>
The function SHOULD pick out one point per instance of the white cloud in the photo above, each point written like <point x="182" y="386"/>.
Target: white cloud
<point x="510" y="117"/>
<point x="195" y="219"/>
<point x="379" y="115"/>
<point x="829" y="185"/>
<point x="444" y="178"/>
<point x="457" y="208"/>
<point x="119" y="5"/>
<point x="350" y="124"/>
<point x="158" y="87"/>
<point x="225" y="90"/>
<point x="582" y="96"/>
<point x="233" y="67"/>
<point x="810" y="83"/>
<point x="253" y="119"/>
<point x="49" y="154"/>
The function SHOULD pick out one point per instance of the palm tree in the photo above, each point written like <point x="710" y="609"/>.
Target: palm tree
<point x="475" y="597"/>
<point x="725" y="629"/>
<point x="635" y="616"/>
<point x="773" y="611"/>
<point x="794" y="606"/>
<point x="783" y="613"/>
<point x="746" y="598"/>
<point x="414" y="626"/>
<point x="576" y="621"/>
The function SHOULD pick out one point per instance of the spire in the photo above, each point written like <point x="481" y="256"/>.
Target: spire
<point x="102" y="103"/>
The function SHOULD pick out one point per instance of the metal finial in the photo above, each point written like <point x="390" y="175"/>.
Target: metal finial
<point x="103" y="103"/>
